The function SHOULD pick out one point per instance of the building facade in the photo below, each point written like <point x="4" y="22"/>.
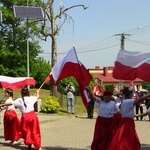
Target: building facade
<point x="105" y="77"/>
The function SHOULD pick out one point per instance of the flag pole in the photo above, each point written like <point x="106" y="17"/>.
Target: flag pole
<point x="41" y="86"/>
<point x="48" y="78"/>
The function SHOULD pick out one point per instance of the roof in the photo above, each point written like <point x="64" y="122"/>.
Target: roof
<point x="109" y="78"/>
<point x="105" y="74"/>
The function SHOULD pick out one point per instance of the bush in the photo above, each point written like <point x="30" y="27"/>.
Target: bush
<point x="50" y="104"/>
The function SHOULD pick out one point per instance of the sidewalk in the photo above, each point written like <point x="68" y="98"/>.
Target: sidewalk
<point x="72" y="133"/>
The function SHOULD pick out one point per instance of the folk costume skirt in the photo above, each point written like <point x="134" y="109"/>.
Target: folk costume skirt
<point x="30" y="129"/>
<point x="125" y="137"/>
<point x="103" y="134"/>
<point x="12" y="130"/>
<point x="117" y="118"/>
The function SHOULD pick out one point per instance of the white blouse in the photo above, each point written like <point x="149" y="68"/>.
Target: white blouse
<point x="29" y="101"/>
<point x="106" y="110"/>
<point x="11" y="107"/>
<point x="127" y="108"/>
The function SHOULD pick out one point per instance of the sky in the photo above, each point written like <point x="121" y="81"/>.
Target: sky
<point x="95" y="32"/>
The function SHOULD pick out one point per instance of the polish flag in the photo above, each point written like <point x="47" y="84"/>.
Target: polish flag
<point x="132" y="65"/>
<point x="70" y="66"/>
<point x="16" y="82"/>
<point x="48" y="78"/>
<point x="97" y="91"/>
<point x="83" y="92"/>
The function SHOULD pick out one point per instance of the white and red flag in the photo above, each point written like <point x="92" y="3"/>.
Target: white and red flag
<point x="96" y="90"/>
<point x="70" y="66"/>
<point x="48" y="78"/>
<point x="132" y="65"/>
<point x="16" y="82"/>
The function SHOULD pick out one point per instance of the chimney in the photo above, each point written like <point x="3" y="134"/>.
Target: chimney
<point x="97" y="67"/>
<point x="105" y="71"/>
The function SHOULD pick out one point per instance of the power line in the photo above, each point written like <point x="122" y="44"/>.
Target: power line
<point x="86" y="51"/>
<point x="139" y="42"/>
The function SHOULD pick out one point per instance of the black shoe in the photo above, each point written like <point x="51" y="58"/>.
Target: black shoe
<point x="90" y="117"/>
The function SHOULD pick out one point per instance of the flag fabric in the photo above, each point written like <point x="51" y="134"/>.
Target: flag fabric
<point x="96" y="90"/>
<point x="67" y="66"/>
<point x="132" y="65"/>
<point x="16" y="82"/>
<point x="83" y="78"/>
<point x="48" y="78"/>
<point x="83" y="92"/>
<point x="70" y="66"/>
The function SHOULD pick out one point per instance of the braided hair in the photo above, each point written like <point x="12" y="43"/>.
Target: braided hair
<point x="24" y="92"/>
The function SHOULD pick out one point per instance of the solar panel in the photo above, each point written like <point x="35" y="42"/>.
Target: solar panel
<point x="1" y="19"/>
<point x="28" y="12"/>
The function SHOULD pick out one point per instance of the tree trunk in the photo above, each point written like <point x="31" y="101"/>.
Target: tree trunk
<point x="54" y="60"/>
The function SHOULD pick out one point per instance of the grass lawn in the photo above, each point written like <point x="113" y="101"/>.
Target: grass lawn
<point x="79" y="106"/>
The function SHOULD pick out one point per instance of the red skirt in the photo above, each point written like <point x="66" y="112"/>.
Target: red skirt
<point x="125" y="137"/>
<point x="12" y="130"/>
<point x="103" y="134"/>
<point x="30" y="129"/>
<point x="117" y="118"/>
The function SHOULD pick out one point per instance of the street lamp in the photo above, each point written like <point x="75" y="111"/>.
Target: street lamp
<point x="28" y="12"/>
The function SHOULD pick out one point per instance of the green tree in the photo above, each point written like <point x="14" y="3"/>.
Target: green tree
<point x="13" y="44"/>
<point x="41" y="70"/>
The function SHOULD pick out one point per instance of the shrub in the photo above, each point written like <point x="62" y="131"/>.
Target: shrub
<point x="50" y="104"/>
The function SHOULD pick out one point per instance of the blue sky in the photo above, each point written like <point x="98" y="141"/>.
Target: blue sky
<point x="93" y="31"/>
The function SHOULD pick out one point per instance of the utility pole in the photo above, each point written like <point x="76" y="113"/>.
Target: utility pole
<point x="122" y="48"/>
<point x="122" y="39"/>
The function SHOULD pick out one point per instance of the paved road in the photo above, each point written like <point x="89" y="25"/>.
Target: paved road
<point x="72" y="133"/>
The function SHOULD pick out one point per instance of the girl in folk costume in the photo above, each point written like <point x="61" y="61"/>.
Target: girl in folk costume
<point x="30" y="128"/>
<point x="105" y="126"/>
<point x="126" y="137"/>
<point x="12" y="130"/>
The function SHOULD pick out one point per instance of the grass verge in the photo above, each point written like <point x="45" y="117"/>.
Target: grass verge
<point x="79" y="106"/>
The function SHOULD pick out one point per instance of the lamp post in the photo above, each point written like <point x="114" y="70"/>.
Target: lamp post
<point x="28" y="65"/>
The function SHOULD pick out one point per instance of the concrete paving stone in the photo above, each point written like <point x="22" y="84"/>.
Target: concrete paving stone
<point x="71" y="133"/>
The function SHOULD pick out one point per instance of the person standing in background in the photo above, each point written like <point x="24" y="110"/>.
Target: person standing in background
<point x="139" y="106"/>
<point x="70" y="98"/>
<point x="147" y="103"/>
<point x="90" y="107"/>
<point x="12" y="128"/>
